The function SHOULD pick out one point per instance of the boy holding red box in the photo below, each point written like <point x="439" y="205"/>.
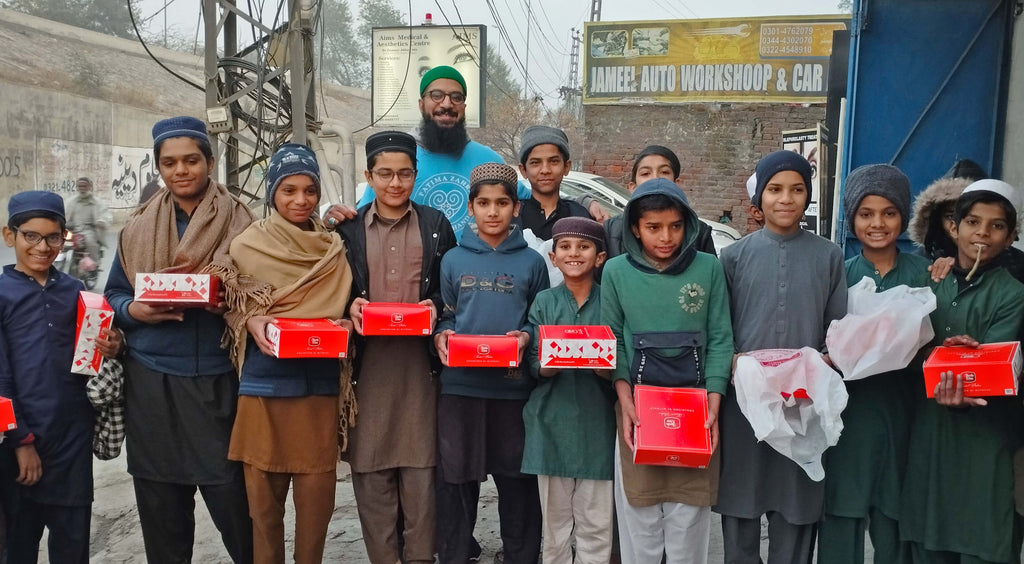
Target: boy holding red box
<point x="957" y="504"/>
<point x="394" y="247"/>
<point x="487" y="284"/>
<point x="668" y="306"/>
<point x="46" y="462"/>
<point x="570" y="423"/>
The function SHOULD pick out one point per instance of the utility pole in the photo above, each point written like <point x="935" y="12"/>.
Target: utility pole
<point x="260" y="96"/>
<point x="595" y="10"/>
<point x="526" y="63"/>
<point x="572" y="92"/>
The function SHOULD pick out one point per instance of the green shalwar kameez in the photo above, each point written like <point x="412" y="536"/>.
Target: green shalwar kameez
<point x="570" y="420"/>
<point x="957" y="503"/>
<point x="864" y="471"/>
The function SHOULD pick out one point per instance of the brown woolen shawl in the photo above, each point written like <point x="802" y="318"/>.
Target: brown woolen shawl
<point x="281" y="270"/>
<point x="149" y="242"/>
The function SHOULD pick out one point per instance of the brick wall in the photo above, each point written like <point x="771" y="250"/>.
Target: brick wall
<point x="718" y="146"/>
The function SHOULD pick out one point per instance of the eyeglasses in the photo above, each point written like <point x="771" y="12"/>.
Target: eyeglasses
<point x="54" y="240"/>
<point x="439" y="96"/>
<point x="386" y="174"/>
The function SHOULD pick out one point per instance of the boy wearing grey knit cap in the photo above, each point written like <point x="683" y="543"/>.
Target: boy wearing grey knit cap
<point x="864" y="471"/>
<point x="544" y="162"/>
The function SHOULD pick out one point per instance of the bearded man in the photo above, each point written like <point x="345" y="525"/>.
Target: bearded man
<point x="445" y="154"/>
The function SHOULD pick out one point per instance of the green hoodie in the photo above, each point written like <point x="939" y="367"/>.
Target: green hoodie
<point x="689" y="295"/>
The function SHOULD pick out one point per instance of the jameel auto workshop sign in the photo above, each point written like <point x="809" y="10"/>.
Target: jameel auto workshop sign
<point x="771" y="59"/>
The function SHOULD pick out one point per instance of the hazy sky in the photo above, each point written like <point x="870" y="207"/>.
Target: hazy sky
<point x="550" y="26"/>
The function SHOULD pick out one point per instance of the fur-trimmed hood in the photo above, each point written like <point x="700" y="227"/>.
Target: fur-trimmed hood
<point x="922" y="230"/>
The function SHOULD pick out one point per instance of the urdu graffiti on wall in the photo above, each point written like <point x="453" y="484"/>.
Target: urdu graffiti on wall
<point x="118" y="173"/>
<point x="131" y="173"/>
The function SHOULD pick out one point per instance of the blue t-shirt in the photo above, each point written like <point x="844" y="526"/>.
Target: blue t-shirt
<point x="442" y="182"/>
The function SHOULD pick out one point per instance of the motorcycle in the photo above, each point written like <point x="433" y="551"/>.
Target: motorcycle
<point x="75" y="260"/>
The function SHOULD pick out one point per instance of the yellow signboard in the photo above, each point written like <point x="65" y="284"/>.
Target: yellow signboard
<point x="771" y="59"/>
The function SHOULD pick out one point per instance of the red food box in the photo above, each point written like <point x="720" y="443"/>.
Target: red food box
<point x="307" y="338"/>
<point x="94" y="315"/>
<point x="991" y="370"/>
<point x="396" y="319"/>
<point x="671" y="430"/>
<point x="177" y="290"/>
<point x="494" y="351"/>
<point x="576" y="346"/>
<point x="7" y="422"/>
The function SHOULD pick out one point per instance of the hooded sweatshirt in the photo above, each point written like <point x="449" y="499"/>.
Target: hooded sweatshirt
<point x="690" y="295"/>
<point x="488" y="291"/>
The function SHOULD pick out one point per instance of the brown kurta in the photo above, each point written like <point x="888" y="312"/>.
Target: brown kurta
<point x="647" y="485"/>
<point x="397" y="421"/>
<point x="286" y="435"/>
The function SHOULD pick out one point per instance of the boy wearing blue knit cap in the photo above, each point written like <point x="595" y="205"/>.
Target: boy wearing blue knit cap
<point x="786" y="285"/>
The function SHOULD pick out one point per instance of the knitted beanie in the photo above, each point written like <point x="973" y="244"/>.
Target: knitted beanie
<point x="882" y="180"/>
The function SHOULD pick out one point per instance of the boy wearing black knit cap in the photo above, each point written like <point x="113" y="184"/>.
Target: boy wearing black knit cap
<point x="786" y="285"/>
<point x="394" y="247"/>
<point x="569" y="418"/>
<point x="864" y="471"/>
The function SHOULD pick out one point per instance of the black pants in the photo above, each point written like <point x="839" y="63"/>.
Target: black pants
<point x="69" y="532"/>
<point x="167" y="515"/>
<point x="518" y="513"/>
<point x="789" y="543"/>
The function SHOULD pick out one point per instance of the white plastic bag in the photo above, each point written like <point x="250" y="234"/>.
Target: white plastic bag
<point x="543" y="248"/>
<point x="881" y="331"/>
<point x="793" y="401"/>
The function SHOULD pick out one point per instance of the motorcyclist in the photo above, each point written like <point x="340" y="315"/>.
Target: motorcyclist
<point x="88" y="216"/>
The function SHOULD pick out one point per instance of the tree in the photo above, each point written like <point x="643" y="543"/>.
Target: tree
<point x="343" y="60"/>
<point x="347" y="49"/>
<point x="376" y="13"/>
<point x="507" y="118"/>
<point x="104" y="16"/>
<point x="498" y="75"/>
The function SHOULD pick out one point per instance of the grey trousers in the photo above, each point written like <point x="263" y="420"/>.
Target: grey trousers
<point x="787" y="543"/>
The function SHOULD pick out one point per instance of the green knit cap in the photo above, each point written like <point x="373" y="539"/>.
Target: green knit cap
<point x="443" y="71"/>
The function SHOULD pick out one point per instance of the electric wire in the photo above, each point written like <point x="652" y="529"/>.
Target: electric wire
<point x="405" y="78"/>
<point x="477" y="58"/>
<point x="138" y="34"/>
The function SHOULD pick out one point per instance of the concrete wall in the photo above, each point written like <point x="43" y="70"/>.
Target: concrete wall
<point x="1013" y="142"/>
<point x="51" y="138"/>
<point x="718" y="146"/>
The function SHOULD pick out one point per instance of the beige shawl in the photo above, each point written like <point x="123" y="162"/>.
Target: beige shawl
<point x="280" y="270"/>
